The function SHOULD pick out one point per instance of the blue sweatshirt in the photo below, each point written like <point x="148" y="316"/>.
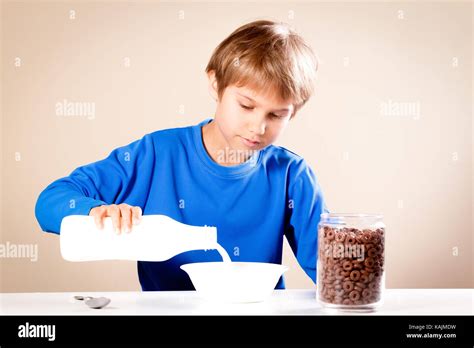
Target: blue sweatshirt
<point x="253" y="205"/>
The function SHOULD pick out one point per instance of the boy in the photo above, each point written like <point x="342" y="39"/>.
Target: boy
<point x="223" y="172"/>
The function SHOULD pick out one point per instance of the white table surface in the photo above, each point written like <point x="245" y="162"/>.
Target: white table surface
<point x="282" y="302"/>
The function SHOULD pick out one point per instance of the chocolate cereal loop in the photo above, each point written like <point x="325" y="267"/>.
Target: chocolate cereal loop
<point x="350" y="265"/>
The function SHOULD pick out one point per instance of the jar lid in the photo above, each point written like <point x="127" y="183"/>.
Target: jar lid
<point x="350" y="218"/>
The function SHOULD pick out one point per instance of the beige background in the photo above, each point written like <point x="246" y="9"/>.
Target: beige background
<point x="416" y="169"/>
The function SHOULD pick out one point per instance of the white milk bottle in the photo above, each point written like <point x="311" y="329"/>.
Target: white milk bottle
<point x="155" y="238"/>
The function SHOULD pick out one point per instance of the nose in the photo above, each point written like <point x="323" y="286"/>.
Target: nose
<point x="257" y="125"/>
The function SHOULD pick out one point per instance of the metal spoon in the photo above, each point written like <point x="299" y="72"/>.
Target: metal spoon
<point x="94" y="302"/>
<point x="98" y="302"/>
<point x="81" y="298"/>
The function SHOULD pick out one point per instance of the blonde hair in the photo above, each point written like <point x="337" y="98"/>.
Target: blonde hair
<point x="266" y="55"/>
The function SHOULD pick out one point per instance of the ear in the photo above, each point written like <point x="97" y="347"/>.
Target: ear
<point x="213" y="91"/>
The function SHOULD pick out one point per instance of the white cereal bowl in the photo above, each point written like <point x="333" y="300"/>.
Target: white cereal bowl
<point x="234" y="282"/>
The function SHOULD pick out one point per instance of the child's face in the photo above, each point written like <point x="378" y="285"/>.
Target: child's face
<point x="249" y="120"/>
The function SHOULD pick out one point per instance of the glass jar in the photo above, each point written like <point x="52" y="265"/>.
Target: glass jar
<point x="351" y="261"/>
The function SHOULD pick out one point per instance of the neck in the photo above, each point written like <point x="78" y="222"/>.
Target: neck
<point x="218" y="148"/>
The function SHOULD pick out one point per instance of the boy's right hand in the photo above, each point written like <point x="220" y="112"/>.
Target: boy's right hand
<point x="123" y="216"/>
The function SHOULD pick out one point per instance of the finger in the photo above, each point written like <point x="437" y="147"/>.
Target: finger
<point x="114" y="213"/>
<point x="126" y="213"/>
<point x="136" y="215"/>
<point x="98" y="214"/>
<point x="98" y="220"/>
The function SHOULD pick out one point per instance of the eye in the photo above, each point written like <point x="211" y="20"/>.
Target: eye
<point x="246" y="107"/>
<point x="276" y="116"/>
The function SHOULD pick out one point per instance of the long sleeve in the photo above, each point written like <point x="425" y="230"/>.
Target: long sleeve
<point x="305" y="206"/>
<point x="108" y="181"/>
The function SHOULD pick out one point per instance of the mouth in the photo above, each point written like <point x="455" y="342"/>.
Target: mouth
<point x="250" y="143"/>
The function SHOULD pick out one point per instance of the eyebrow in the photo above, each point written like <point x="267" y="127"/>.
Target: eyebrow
<point x="243" y="95"/>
